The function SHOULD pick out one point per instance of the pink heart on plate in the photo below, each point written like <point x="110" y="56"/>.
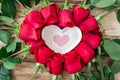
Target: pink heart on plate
<point x="61" y="40"/>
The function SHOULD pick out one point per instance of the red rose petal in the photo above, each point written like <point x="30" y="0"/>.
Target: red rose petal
<point x="85" y="52"/>
<point x="43" y="55"/>
<point x="65" y="18"/>
<point x="90" y="24"/>
<point x="49" y="14"/>
<point x="27" y="32"/>
<point x="56" y="64"/>
<point x="80" y="14"/>
<point x="72" y="62"/>
<point x="35" y="19"/>
<point x="93" y="40"/>
<point x="35" y="44"/>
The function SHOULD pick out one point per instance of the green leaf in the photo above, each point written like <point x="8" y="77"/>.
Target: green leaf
<point x="37" y="2"/>
<point x="3" y="70"/>
<point x="25" y="2"/>
<point x="3" y="53"/>
<point x="107" y="71"/>
<point x="112" y="48"/>
<point x="9" y="65"/>
<point x="95" y="74"/>
<point x="118" y="2"/>
<point x="8" y="8"/>
<point x="11" y="47"/>
<point x="115" y="67"/>
<point x="104" y="3"/>
<point x="4" y="73"/>
<point x="7" y="77"/>
<point x="93" y="2"/>
<point x="111" y="77"/>
<point x="118" y="15"/>
<point x="5" y="20"/>
<point x="5" y="37"/>
<point x="1" y="1"/>
<point x="14" y="60"/>
<point x="117" y="40"/>
<point x="110" y="8"/>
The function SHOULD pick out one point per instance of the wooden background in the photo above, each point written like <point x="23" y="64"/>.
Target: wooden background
<point x="109" y="25"/>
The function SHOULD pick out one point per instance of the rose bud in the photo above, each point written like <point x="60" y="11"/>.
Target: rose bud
<point x="65" y="18"/>
<point x="90" y="24"/>
<point x="35" y="19"/>
<point x="80" y="14"/>
<point x="86" y="53"/>
<point x="35" y="44"/>
<point x="27" y="32"/>
<point x="49" y="14"/>
<point x="56" y="64"/>
<point x="42" y="55"/>
<point x="93" y="40"/>
<point x="73" y="63"/>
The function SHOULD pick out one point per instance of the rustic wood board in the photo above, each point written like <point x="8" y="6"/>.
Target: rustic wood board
<point x="109" y="25"/>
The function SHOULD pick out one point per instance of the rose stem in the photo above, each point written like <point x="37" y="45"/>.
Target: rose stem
<point x="100" y="63"/>
<point x="83" y="4"/>
<point x="21" y="4"/>
<point x="66" y="4"/>
<point x="35" y="74"/>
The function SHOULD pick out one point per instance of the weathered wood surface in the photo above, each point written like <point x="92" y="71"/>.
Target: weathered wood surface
<point x="109" y="25"/>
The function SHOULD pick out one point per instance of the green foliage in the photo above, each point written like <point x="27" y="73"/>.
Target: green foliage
<point x="11" y="47"/>
<point x="115" y="67"/>
<point x="5" y="37"/>
<point x="112" y="48"/>
<point x="3" y="53"/>
<point x="8" y="8"/>
<point x="9" y="65"/>
<point x="5" y="20"/>
<point x="102" y="3"/>
<point x="37" y="2"/>
<point x="108" y="73"/>
<point x="4" y="73"/>
<point x="118" y="15"/>
<point x="25" y="2"/>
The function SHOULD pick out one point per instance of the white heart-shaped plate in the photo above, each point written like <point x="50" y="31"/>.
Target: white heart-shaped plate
<point x="61" y="40"/>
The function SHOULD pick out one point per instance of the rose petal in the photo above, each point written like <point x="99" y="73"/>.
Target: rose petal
<point x="49" y="14"/>
<point x="56" y="64"/>
<point x="86" y="53"/>
<point x="35" y="44"/>
<point x="35" y="19"/>
<point x="93" y="40"/>
<point x="90" y="24"/>
<point x="43" y="55"/>
<point x="27" y="32"/>
<point x="65" y="18"/>
<point x="80" y="14"/>
<point x="73" y="63"/>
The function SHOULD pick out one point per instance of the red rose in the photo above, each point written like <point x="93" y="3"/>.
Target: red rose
<point x="56" y="64"/>
<point x="90" y="24"/>
<point x="80" y="14"/>
<point x="35" y="44"/>
<point x="72" y="62"/>
<point x="65" y="18"/>
<point x="49" y="14"/>
<point x="85" y="52"/>
<point x="27" y="32"/>
<point x="43" y="55"/>
<point x="93" y="40"/>
<point x="35" y="19"/>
